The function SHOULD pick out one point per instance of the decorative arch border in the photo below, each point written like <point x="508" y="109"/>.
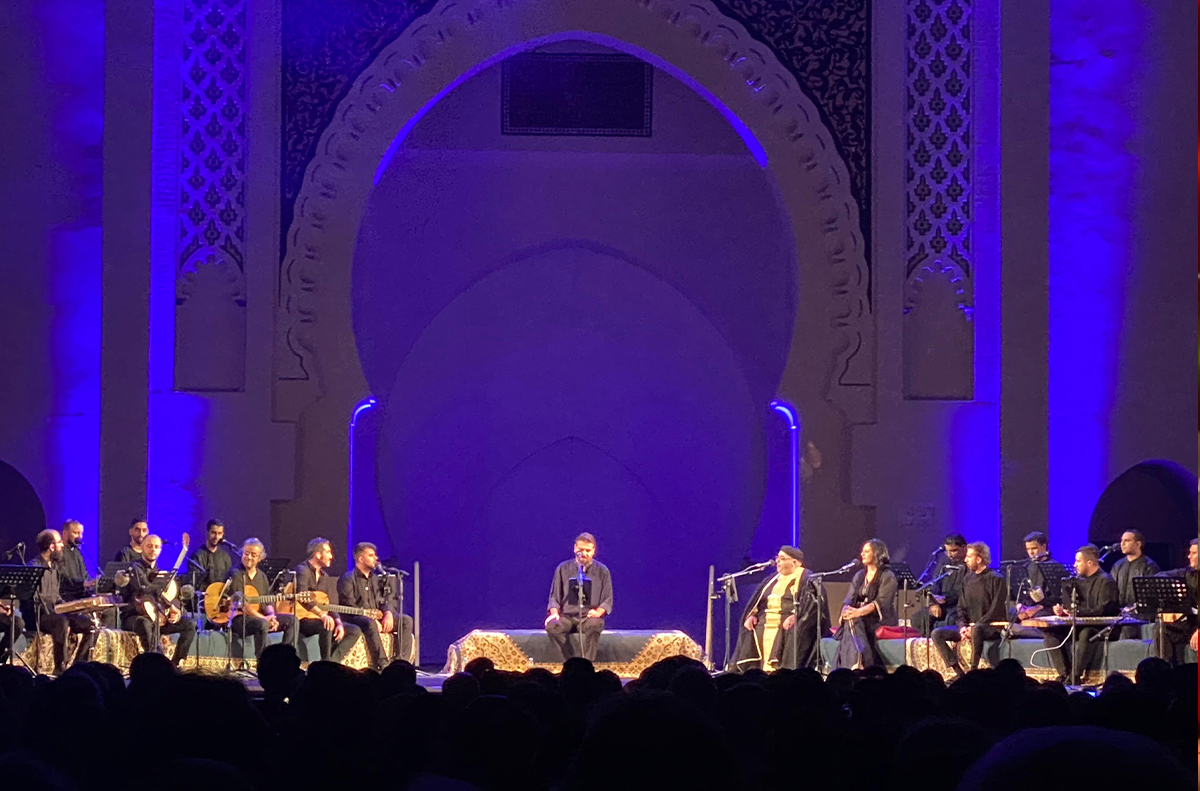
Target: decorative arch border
<point x="832" y="350"/>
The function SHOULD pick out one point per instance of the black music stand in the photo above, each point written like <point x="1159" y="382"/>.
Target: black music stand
<point x="273" y="567"/>
<point x="1155" y="597"/>
<point x="908" y="582"/>
<point x="17" y="583"/>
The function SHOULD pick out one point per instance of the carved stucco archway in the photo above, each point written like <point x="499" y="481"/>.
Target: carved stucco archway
<point x="830" y="368"/>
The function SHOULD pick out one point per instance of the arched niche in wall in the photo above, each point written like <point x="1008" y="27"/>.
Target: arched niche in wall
<point x="22" y="515"/>
<point x="829" y="371"/>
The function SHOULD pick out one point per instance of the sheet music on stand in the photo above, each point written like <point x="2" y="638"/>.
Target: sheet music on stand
<point x="20" y="582"/>
<point x="904" y="572"/>
<point x="1154" y="596"/>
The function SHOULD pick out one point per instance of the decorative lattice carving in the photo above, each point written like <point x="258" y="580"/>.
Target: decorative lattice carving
<point x="212" y="209"/>
<point x="938" y="162"/>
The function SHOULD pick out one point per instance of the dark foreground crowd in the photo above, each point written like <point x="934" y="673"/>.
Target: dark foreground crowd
<point x="676" y="727"/>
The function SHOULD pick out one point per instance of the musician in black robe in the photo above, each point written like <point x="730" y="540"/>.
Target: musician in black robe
<point x="212" y="557"/>
<point x="1134" y="564"/>
<point x="147" y="583"/>
<point x="1040" y="590"/>
<point x="1097" y="597"/>
<point x="982" y="603"/>
<point x="336" y="638"/>
<point x="567" y="613"/>
<point x="246" y="623"/>
<point x="775" y="632"/>
<point x="1181" y="634"/>
<point x="870" y="603"/>
<point x="72" y="570"/>
<point x="138" y="530"/>
<point x="948" y="574"/>
<point x="40" y="610"/>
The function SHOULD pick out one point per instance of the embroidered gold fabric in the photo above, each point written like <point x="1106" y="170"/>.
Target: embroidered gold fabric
<point x="501" y="649"/>
<point x="915" y="651"/>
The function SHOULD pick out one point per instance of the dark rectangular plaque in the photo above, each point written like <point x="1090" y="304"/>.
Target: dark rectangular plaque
<point x="545" y="93"/>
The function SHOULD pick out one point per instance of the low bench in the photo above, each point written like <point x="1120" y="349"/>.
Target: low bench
<point x="625" y="652"/>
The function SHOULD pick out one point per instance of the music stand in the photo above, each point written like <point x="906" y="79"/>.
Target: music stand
<point x="16" y="583"/>
<point x="272" y="567"/>
<point x="1155" y="597"/>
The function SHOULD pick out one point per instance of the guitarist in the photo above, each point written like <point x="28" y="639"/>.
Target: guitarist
<point x="336" y="638"/>
<point x="146" y="583"/>
<point x="41" y="609"/>
<point x="254" y="621"/>
<point x="361" y="587"/>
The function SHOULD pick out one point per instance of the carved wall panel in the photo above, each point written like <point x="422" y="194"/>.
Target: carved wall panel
<point x="210" y="294"/>
<point x="938" y="201"/>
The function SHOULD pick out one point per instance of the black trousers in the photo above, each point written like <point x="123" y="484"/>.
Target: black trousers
<point x="256" y="629"/>
<point x="944" y="635"/>
<point x="6" y="629"/>
<point x="925" y="623"/>
<point x="1063" y="658"/>
<point x="59" y="627"/>
<point x="185" y="627"/>
<point x="330" y="651"/>
<point x="1176" y="637"/>
<point x="589" y="629"/>
<point x="371" y="634"/>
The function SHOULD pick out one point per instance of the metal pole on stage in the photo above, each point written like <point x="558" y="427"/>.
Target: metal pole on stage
<point x="708" y="621"/>
<point x="416" y="613"/>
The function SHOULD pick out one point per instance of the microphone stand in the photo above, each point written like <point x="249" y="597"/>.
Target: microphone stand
<point x="729" y="590"/>
<point x="816" y="577"/>
<point x="1072" y="633"/>
<point x="579" y="578"/>
<point x="924" y="590"/>
<point x="929" y="566"/>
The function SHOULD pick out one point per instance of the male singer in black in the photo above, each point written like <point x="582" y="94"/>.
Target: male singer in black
<point x="1043" y="587"/>
<point x="1133" y="564"/>
<point x="565" y="616"/>
<point x="1097" y="597"/>
<point x="138" y="530"/>
<point x="212" y="557"/>
<point x="258" y="620"/>
<point x="1181" y="634"/>
<point x="362" y="586"/>
<point x="335" y="636"/>
<point x="981" y="603"/>
<point x="72" y="570"/>
<point x="41" y="609"/>
<point x="943" y="594"/>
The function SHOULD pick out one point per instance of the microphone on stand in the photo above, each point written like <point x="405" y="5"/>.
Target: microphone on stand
<point x="852" y="564"/>
<point x="1110" y="548"/>
<point x="20" y="546"/>
<point x="230" y="544"/>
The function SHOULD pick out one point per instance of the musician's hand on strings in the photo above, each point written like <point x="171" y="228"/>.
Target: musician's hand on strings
<point x="328" y="622"/>
<point x="387" y="624"/>
<point x="750" y="623"/>
<point x="789" y="622"/>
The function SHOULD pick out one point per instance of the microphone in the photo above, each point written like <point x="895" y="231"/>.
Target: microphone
<point x="937" y="552"/>
<point x="20" y="546"/>
<point x="230" y="544"/>
<point x="850" y="565"/>
<point x="167" y="542"/>
<point x="1110" y="548"/>
<point x="953" y="568"/>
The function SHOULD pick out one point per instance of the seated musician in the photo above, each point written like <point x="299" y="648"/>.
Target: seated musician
<point x="870" y="603"/>
<point x="40" y="610"/>
<point x="1135" y="563"/>
<point x="942" y="608"/>
<point x="982" y="602"/>
<point x="1181" y="633"/>
<point x="775" y="631"/>
<point x="253" y="620"/>
<point x="8" y="628"/>
<point x="1097" y="597"/>
<point x="362" y="586"/>
<point x="138" y="530"/>
<point x="72" y="570"/>
<point x="1038" y="595"/>
<point x="146" y="587"/>
<point x="335" y="637"/>
<point x="212" y="557"/>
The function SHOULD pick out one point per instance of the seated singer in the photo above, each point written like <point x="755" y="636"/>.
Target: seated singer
<point x="566" y="615"/>
<point x="1097" y="596"/>
<point x="772" y="635"/>
<point x="40" y="610"/>
<point x="870" y="603"/>
<point x="363" y="586"/>
<point x="981" y="603"/>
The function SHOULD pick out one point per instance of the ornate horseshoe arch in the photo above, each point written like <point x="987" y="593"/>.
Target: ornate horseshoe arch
<point x="319" y="379"/>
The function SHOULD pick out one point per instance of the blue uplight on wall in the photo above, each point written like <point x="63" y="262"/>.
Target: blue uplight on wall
<point x="1095" y="63"/>
<point x="793" y="423"/>
<point x="363" y="406"/>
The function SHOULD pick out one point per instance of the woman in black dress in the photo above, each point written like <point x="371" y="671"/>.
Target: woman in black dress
<point x="870" y="603"/>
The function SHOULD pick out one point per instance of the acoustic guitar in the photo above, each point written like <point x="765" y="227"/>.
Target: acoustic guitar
<point x="161" y="606"/>
<point x="321" y="599"/>
<point x="219" y="606"/>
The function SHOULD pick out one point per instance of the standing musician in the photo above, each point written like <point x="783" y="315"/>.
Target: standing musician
<point x="213" y="557"/>
<point x="870" y="603"/>
<point x="138" y="530"/>
<point x="776" y="631"/>
<point x="982" y="602"/>
<point x="41" y="609"/>
<point x="1134" y="564"/>
<point x="1040" y="595"/>
<point x="335" y="637"/>
<point x="1182" y="633"/>
<point x="1097" y="597"/>
<point x="254" y="621"/>
<point x="146" y="583"/>
<point x="361" y="586"/>
<point x="565" y="614"/>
